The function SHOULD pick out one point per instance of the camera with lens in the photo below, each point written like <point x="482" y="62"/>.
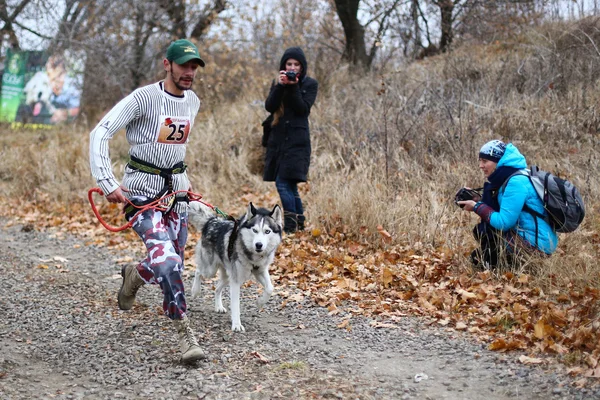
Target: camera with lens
<point x="466" y="194"/>
<point x="291" y="75"/>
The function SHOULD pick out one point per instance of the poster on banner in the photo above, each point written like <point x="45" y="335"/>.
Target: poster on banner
<point x="39" y="89"/>
<point x="13" y="81"/>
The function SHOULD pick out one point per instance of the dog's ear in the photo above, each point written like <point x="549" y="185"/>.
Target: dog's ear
<point x="277" y="215"/>
<point x="251" y="211"/>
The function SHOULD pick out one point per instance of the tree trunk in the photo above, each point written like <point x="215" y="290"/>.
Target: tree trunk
<point x="13" y="41"/>
<point x="446" y="10"/>
<point x="138" y="52"/>
<point x="355" y="52"/>
<point x="414" y="13"/>
<point x="9" y="19"/>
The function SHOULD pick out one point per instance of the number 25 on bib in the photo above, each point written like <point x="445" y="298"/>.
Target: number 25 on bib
<point x="173" y="130"/>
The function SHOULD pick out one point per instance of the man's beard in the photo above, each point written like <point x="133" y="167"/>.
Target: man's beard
<point x="177" y="85"/>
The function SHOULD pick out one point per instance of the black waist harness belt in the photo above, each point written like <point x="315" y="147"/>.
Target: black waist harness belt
<point x="166" y="173"/>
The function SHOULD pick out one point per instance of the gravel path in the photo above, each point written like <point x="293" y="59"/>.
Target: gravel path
<point x="63" y="337"/>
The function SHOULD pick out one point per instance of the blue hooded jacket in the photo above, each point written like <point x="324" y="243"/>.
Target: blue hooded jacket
<point x="518" y="192"/>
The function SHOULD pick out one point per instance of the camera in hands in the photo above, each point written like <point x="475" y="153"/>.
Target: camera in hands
<point x="291" y="75"/>
<point x="466" y="194"/>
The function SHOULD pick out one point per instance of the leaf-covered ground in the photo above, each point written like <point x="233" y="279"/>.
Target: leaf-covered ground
<point x="386" y="281"/>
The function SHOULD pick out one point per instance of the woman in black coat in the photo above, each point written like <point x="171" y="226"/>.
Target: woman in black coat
<point x="288" y="147"/>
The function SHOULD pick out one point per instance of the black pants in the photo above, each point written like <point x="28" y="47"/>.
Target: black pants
<point x="493" y="247"/>
<point x="497" y="248"/>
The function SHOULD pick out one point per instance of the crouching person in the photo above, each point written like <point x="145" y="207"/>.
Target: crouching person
<point x="508" y="229"/>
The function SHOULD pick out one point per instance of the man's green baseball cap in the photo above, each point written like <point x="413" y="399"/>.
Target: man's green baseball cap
<point x="182" y="51"/>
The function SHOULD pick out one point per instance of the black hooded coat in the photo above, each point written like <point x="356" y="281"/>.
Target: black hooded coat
<point x="288" y="146"/>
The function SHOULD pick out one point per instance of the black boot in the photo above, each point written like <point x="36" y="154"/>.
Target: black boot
<point x="290" y="222"/>
<point x="301" y="220"/>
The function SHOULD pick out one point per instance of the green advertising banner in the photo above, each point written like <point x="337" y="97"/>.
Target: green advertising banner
<point x="40" y="90"/>
<point x="13" y="82"/>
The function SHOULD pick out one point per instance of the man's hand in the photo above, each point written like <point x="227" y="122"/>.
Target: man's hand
<point x="117" y="195"/>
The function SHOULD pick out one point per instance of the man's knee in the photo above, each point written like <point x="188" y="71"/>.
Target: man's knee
<point x="170" y="268"/>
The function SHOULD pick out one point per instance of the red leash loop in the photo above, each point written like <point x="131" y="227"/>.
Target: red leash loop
<point x="97" y="214"/>
<point x="157" y="204"/>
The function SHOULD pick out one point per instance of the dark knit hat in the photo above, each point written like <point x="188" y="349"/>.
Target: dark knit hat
<point x="297" y="54"/>
<point x="493" y="150"/>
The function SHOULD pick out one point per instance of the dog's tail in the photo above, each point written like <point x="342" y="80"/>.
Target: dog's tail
<point x="199" y="213"/>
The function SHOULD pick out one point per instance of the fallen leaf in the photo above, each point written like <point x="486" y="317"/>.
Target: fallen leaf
<point x="460" y="326"/>
<point x="465" y="295"/>
<point x="542" y="329"/>
<point x="260" y="357"/>
<point x="376" y="324"/>
<point x="530" y="360"/>
<point x="580" y="383"/>
<point x="343" y="324"/>
<point x="575" y="371"/>
<point x="385" y="235"/>
<point x="387" y="277"/>
<point x="593" y="373"/>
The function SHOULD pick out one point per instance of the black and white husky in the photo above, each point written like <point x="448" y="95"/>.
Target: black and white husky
<point x="237" y="249"/>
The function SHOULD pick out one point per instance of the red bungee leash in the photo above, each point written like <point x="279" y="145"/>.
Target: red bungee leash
<point x="158" y="204"/>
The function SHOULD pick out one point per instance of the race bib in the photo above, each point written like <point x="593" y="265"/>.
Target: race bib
<point x="173" y="130"/>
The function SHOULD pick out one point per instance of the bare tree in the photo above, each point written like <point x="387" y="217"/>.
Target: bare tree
<point x="446" y="8"/>
<point x="356" y="49"/>
<point x="72" y="20"/>
<point x="9" y="15"/>
<point x="435" y="24"/>
<point x="207" y="17"/>
<point x="122" y="53"/>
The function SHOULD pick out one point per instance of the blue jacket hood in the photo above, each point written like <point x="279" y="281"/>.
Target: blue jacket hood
<point x="512" y="157"/>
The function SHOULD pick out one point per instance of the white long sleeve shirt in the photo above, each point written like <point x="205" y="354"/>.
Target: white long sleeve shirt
<point x="157" y="127"/>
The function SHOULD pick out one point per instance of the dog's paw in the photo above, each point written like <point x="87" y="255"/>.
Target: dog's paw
<point x="262" y="301"/>
<point x="237" y="327"/>
<point x="220" y="309"/>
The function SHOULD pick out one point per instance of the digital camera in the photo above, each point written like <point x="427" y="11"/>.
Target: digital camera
<point x="291" y="75"/>
<point x="465" y="194"/>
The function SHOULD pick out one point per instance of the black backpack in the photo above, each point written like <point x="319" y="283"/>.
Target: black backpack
<point x="562" y="200"/>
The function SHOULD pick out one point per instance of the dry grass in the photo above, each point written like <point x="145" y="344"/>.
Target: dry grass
<point x="392" y="148"/>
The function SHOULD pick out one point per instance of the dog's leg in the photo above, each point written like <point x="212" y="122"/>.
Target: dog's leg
<point x="196" y="285"/>
<point x="234" y="293"/>
<point x="265" y="280"/>
<point x="202" y="259"/>
<point x="223" y="281"/>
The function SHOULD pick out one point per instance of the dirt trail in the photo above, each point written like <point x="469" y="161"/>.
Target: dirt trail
<point x="62" y="337"/>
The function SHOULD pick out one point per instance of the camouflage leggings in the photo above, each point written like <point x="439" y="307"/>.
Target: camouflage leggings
<point x="165" y="236"/>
